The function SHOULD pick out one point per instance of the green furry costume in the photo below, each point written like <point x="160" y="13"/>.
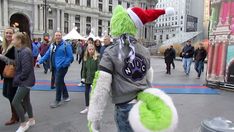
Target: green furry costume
<point x="154" y="110"/>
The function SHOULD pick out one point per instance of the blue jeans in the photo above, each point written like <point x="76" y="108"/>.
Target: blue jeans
<point x="60" y="84"/>
<point x="199" y="66"/>
<point x="121" y="117"/>
<point x="186" y="64"/>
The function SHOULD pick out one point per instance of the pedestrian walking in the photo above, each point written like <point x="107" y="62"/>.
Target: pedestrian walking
<point x="187" y="56"/>
<point x="24" y="79"/>
<point x="43" y="48"/>
<point x="174" y="56"/>
<point x="60" y="54"/>
<point x="107" y="42"/>
<point x="7" y="57"/>
<point x="199" y="58"/>
<point x="98" y="45"/>
<point x="90" y="66"/>
<point x="81" y="60"/>
<point x="35" y="49"/>
<point x="168" y="56"/>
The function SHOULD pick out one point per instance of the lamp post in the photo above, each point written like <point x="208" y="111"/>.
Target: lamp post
<point x="45" y="6"/>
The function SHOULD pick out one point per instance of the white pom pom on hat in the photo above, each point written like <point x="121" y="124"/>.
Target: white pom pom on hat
<point x="141" y="16"/>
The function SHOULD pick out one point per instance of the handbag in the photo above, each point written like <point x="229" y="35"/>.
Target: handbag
<point x="9" y="71"/>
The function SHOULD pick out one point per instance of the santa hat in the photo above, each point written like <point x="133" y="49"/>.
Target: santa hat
<point x="141" y="16"/>
<point x="154" y="112"/>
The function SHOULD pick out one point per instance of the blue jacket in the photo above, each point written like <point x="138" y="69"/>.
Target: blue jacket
<point x="35" y="48"/>
<point x="63" y="55"/>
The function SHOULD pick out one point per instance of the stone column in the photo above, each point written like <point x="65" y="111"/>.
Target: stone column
<point x="41" y="20"/>
<point x="35" y="17"/>
<point x="5" y="10"/>
<point x="62" y="21"/>
<point x="58" y="20"/>
<point x="82" y="25"/>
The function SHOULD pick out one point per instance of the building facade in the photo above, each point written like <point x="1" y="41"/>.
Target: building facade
<point x="37" y="16"/>
<point x="169" y="26"/>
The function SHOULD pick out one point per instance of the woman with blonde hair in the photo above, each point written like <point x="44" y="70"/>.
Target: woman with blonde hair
<point x="7" y="57"/>
<point x="90" y="66"/>
<point x="24" y="79"/>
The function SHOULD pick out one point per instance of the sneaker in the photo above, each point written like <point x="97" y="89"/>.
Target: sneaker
<point x="80" y="84"/>
<point x="84" y="111"/>
<point x="22" y="128"/>
<point x="31" y="122"/>
<point x="55" y="104"/>
<point x="67" y="99"/>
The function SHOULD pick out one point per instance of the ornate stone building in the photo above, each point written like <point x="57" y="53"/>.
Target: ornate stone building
<point x="39" y="16"/>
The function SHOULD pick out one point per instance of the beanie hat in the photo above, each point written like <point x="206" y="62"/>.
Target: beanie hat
<point x="154" y="112"/>
<point x="141" y="16"/>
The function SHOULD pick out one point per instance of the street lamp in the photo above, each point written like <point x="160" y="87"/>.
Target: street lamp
<point x="45" y="6"/>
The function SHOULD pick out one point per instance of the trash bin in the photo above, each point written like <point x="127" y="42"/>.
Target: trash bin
<point x="217" y="124"/>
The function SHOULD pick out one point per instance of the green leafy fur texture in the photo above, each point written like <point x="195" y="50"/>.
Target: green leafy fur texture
<point x="121" y="23"/>
<point x="155" y="115"/>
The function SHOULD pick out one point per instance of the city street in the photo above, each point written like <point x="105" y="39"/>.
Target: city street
<point x="192" y="108"/>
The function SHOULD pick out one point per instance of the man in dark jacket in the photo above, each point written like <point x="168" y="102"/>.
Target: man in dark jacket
<point x="187" y="56"/>
<point x="169" y="56"/>
<point x="199" y="57"/>
<point x="174" y="56"/>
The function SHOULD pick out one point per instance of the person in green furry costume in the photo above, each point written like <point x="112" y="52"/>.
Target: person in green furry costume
<point x="125" y="76"/>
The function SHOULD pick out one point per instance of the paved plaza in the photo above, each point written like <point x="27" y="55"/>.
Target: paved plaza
<point x="192" y="108"/>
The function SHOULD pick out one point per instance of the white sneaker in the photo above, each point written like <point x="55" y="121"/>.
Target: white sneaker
<point x="67" y="99"/>
<point x="84" y="111"/>
<point x="31" y="122"/>
<point x="22" y="128"/>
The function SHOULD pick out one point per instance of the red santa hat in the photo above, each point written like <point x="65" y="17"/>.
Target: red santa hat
<point x="141" y="16"/>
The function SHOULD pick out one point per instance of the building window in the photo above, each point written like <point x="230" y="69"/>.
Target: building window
<point x="66" y="24"/>
<point x="77" y="2"/>
<point x="100" y="6"/>
<point x="161" y="37"/>
<point x="88" y="25"/>
<point x="77" y="23"/>
<point x="110" y="2"/>
<point x="181" y="17"/>
<point x="88" y="3"/>
<point x="110" y="9"/>
<point x="167" y="36"/>
<point x="119" y="2"/>
<point x="173" y="35"/>
<point x="88" y="20"/>
<point x="108" y="27"/>
<point x="181" y="29"/>
<point x="66" y="1"/>
<point x="51" y="24"/>
<point x="155" y="37"/>
<point x="175" y="23"/>
<point x="128" y="4"/>
<point x="99" y="27"/>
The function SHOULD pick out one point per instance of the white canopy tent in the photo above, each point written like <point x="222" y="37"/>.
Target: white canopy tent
<point x="73" y="34"/>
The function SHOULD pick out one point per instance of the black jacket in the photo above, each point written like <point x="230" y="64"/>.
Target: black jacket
<point x="188" y="51"/>
<point x="25" y="76"/>
<point x="200" y="54"/>
<point x="10" y="53"/>
<point x="169" y="55"/>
